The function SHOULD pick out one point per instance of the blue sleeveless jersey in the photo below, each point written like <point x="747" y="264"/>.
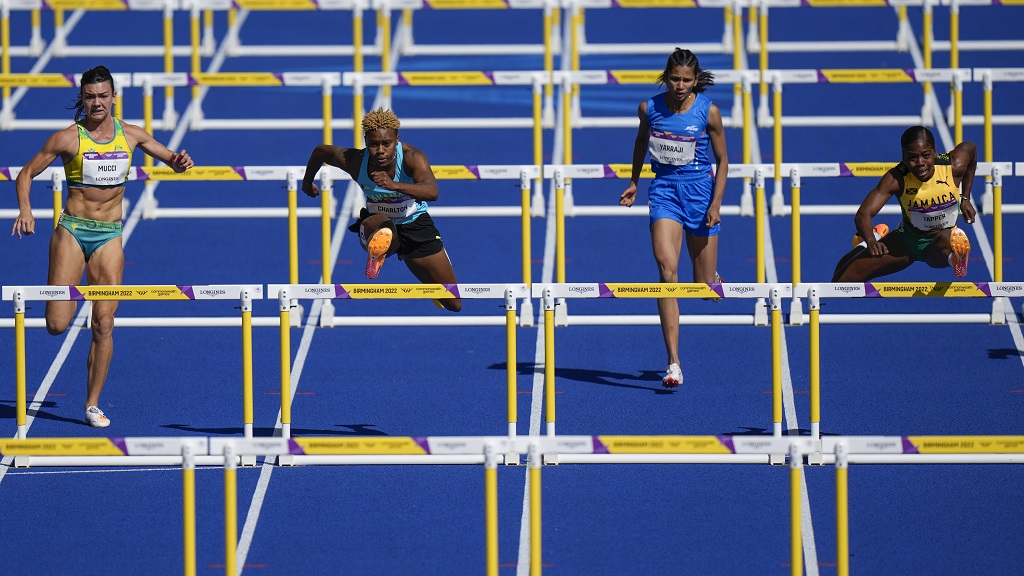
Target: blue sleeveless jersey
<point x="400" y="208"/>
<point x="679" y="142"/>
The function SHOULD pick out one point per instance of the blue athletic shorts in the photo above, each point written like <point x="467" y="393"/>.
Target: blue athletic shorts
<point x="684" y="199"/>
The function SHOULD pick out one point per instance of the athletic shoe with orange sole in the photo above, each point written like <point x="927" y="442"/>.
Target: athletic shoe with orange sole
<point x="881" y="230"/>
<point x="96" y="418"/>
<point x="961" y="247"/>
<point x="377" y="251"/>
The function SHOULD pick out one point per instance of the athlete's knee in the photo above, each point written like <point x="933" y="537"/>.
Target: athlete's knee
<point x="372" y="224"/>
<point x="56" y="326"/>
<point x="102" y="325"/>
<point x="668" y="272"/>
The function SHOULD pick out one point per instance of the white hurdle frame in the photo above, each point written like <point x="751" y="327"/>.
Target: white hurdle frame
<point x="287" y="294"/>
<point x="553" y="295"/>
<point x="750" y="205"/>
<point x="796" y="172"/>
<point x="476" y="450"/>
<point x="357" y="49"/>
<point x="999" y="291"/>
<point x="245" y="294"/>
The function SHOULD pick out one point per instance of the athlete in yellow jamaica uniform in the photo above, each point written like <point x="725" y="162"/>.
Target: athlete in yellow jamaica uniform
<point x="933" y="190"/>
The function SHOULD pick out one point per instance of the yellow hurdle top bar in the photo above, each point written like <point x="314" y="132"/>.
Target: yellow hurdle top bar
<point x="396" y="291"/>
<point x="912" y="289"/>
<point x="98" y="292"/>
<point x="240" y="173"/>
<point x="659" y="290"/>
<point x="470" y="445"/>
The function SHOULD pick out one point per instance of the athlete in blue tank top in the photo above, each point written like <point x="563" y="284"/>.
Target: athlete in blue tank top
<point x="677" y="127"/>
<point x="398" y="181"/>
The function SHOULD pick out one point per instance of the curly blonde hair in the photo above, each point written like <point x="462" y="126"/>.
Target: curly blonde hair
<point x="380" y="119"/>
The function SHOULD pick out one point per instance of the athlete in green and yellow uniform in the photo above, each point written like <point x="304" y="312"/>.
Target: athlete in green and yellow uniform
<point x="97" y="154"/>
<point x="933" y="191"/>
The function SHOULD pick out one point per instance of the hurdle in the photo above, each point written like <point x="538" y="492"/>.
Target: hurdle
<point x="842" y="451"/>
<point x="184" y="452"/>
<point x="796" y="173"/>
<point x="988" y="77"/>
<point x="955" y="44"/>
<point x="357" y="49"/>
<point x="245" y="294"/>
<point x="999" y="291"/>
<point x="778" y="78"/>
<point x="167" y="50"/>
<point x="286" y="293"/>
<point x="552" y="293"/>
<point x="730" y="42"/>
<point x="750" y="205"/>
<point x="541" y="450"/>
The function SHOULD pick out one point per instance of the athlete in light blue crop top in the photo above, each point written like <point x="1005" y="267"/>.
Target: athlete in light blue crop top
<point x="400" y="208"/>
<point x="397" y="180"/>
<point x="685" y="198"/>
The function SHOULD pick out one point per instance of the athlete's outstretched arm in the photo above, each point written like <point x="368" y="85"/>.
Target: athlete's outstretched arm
<point x="326" y="154"/>
<point x="869" y="208"/>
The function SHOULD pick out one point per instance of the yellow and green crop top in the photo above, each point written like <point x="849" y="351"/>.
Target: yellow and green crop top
<point x="100" y="163"/>
<point x="930" y="205"/>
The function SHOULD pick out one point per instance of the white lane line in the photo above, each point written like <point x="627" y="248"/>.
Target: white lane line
<point x="984" y="245"/>
<point x="353" y="192"/>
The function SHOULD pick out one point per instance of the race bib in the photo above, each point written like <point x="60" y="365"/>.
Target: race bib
<point x="105" y="169"/>
<point x="934" y="217"/>
<point x="672" y="149"/>
<point x="398" y="209"/>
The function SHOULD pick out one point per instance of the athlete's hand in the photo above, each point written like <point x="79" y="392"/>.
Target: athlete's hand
<point x="714" y="217"/>
<point x="876" y="248"/>
<point x="310" y="189"/>
<point x="180" y="161"/>
<point x="628" y="196"/>
<point x="382" y="179"/>
<point x="25" y="223"/>
<point x="967" y="209"/>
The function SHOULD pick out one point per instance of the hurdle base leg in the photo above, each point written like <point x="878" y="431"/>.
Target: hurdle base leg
<point x="526" y="313"/>
<point x="295" y="314"/>
<point x="6" y="119"/>
<point x="561" y="313"/>
<point x="550" y="459"/>
<point x="796" y="313"/>
<point x="286" y="460"/>
<point x="760" y="312"/>
<point x="999" y="309"/>
<point x="512" y="459"/>
<point x="777" y="459"/>
<point x="22" y="461"/>
<point x="815" y="457"/>
<point x="247" y="460"/>
<point x="327" y="314"/>
<point x="149" y="206"/>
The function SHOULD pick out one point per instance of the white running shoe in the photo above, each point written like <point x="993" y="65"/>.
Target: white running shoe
<point x="95" y="417"/>
<point x="673" y="376"/>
